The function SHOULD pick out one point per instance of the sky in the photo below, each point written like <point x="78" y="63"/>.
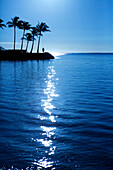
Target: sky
<point x="76" y="25"/>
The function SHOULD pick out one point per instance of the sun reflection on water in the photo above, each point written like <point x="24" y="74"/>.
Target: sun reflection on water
<point x="48" y="133"/>
<point x="44" y="162"/>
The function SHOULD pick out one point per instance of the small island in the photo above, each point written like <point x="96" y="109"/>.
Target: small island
<point x="23" y="54"/>
<point x="13" y="55"/>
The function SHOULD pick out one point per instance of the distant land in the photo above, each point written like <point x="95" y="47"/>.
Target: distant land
<point x="76" y="53"/>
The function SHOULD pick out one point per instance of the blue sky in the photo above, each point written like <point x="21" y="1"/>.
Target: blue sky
<point x="76" y="25"/>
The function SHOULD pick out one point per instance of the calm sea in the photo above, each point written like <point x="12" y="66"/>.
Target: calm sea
<point x="57" y="114"/>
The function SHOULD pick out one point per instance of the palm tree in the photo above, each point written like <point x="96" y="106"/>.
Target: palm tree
<point x="41" y="27"/>
<point x="2" y="25"/>
<point x="34" y="33"/>
<point x="15" y="23"/>
<point x="25" y="26"/>
<point x="28" y="37"/>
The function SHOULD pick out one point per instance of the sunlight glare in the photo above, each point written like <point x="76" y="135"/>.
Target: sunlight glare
<point x="45" y="142"/>
<point x="44" y="162"/>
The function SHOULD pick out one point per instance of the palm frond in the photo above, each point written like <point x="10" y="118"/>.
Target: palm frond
<point x="9" y="22"/>
<point x="15" y="18"/>
<point x="3" y="25"/>
<point x="26" y="25"/>
<point x="42" y="27"/>
<point x="10" y="25"/>
<point x="20" y="24"/>
<point x="29" y="37"/>
<point x="1" y="20"/>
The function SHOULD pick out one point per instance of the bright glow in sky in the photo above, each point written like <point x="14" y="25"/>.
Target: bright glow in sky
<point x="76" y="25"/>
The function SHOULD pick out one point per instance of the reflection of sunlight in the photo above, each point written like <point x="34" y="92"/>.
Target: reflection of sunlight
<point x="54" y="95"/>
<point x="50" y="76"/>
<point x="52" y="118"/>
<point x="48" y="133"/>
<point x="48" y="129"/>
<point x="47" y="106"/>
<point x="57" y="54"/>
<point x="52" y="150"/>
<point x="45" y="142"/>
<point x="44" y="162"/>
<point x="50" y="92"/>
<point x="47" y="111"/>
<point x="42" y="117"/>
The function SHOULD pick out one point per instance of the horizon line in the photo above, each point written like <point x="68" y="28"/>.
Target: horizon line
<point x="83" y="52"/>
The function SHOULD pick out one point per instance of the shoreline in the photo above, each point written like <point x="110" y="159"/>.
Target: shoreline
<point x="13" y="55"/>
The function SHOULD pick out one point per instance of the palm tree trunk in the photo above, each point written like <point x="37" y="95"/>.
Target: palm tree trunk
<point x="27" y="45"/>
<point x="32" y="45"/>
<point x="14" y="36"/>
<point x="38" y="44"/>
<point x="22" y="40"/>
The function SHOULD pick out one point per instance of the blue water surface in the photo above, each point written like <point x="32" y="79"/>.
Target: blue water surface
<point x="57" y="114"/>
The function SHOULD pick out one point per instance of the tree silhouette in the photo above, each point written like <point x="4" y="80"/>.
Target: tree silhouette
<point x="28" y="37"/>
<point x="34" y="33"/>
<point x="1" y="24"/>
<point x="15" y="23"/>
<point x="41" y="27"/>
<point x="25" y="26"/>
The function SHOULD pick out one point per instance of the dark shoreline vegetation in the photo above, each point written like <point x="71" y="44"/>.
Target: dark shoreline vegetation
<point x="13" y="55"/>
<point x="34" y="32"/>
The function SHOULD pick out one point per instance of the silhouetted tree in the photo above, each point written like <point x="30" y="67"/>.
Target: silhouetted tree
<point x="34" y="33"/>
<point x="41" y="27"/>
<point x="28" y="37"/>
<point x="15" y="23"/>
<point x="1" y="24"/>
<point x="25" y="26"/>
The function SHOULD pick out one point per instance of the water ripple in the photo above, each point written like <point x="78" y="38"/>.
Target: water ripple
<point x="57" y="114"/>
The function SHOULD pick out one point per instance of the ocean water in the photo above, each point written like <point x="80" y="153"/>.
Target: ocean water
<point x="57" y="114"/>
